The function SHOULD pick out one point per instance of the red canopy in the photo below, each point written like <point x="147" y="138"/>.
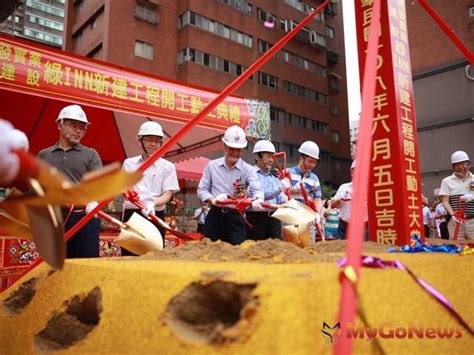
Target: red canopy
<point x="191" y="169"/>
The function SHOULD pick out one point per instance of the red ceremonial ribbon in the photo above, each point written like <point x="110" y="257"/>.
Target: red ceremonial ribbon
<point x="355" y="235"/>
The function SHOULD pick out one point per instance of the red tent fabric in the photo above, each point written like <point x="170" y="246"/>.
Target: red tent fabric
<point x="191" y="169"/>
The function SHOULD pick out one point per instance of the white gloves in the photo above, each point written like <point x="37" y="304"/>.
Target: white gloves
<point x="284" y="184"/>
<point x="149" y="208"/>
<point x="90" y="206"/>
<point x="317" y="219"/>
<point x="467" y="197"/>
<point x="220" y="197"/>
<point x="257" y="205"/>
<point x="284" y="198"/>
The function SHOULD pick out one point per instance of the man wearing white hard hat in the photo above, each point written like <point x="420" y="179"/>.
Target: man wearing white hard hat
<point x="72" y="158"/>
<point x="343" y="201"/>
<point x="224" y="177"/>
<point x="263" y="225"/>
<point x="159" y="181"/>
<point x="303" y="172"/>
<point x="456" y="193"/>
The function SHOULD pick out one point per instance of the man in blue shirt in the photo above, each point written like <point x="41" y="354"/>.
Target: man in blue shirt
<point x="263" y="225"/>
<point x="224" y="177"/>
<point x="302" y="172"/>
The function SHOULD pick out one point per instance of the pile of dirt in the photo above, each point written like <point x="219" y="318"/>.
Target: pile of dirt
<point x="270" y="251"/>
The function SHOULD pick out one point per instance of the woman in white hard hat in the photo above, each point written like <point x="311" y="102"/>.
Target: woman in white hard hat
<point x="459" y="186"/>
<point x="229" y="176"/>
<point x="303" y="172"/>
<point x="74" y="159"/>
<point x="265" y="226"/>
<point x="159" y="181"/>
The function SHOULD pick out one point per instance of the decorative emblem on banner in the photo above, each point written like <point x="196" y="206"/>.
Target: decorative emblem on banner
<point x="258" y="125"/>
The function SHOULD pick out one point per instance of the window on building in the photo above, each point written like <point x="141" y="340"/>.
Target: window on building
<point x="240" y="5"/>
<point x="79" y="5"/>
<point x="143" y="49"/>
<point x="264" y="16"/>
<point x="335" y="137"/>
<point x="330" y="32"/>
<point x="77" y="38"/>
<point x="93" y="24"/>
<point x="191" y="18"/>
<point x="334" y="109"/>
<point x="268" y="80"/>
<point x="146" y="12"/>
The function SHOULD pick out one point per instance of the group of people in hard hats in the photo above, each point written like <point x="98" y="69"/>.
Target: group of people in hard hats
<point x="223" y="179"/>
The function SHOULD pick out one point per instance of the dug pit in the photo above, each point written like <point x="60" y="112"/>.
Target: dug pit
<point x="214" y="312"/>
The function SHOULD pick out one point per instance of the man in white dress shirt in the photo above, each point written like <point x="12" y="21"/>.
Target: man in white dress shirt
<point x="159" y="181"/>
<point x="229" y="176"/>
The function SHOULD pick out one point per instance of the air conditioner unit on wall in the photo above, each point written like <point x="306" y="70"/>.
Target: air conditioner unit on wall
<point x="317" y="39"/>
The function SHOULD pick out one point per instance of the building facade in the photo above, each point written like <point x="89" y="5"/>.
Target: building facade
<point x="444" y="86"/>
<point x="37" y="20"/>
<point x="209" y="43"/>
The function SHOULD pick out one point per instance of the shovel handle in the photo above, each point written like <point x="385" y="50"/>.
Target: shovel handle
<point x="110" y="219"/>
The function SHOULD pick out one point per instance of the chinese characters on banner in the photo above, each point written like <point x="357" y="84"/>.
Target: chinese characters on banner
<point x="30" y="68"/>
<point x="394" y="199"/>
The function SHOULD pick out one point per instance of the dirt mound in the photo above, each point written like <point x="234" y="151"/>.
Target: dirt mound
<point x="270" y="251"/>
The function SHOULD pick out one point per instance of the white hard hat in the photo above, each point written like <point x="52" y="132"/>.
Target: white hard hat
<point x="309" y="148"/>
<point x="20" y="140"/>
<point x="72" y="112"/>
<point x="459" y="156"/>
<point x="263" y="146"/>
<point x="150" y="128"/>
<point x="234" y="137"/>
<point x="353" y="165"/>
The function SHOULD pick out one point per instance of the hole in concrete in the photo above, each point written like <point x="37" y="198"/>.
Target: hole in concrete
<point x="81" y="316"/>
<point x="21" y="297"/>
<point x="213" y="312"/>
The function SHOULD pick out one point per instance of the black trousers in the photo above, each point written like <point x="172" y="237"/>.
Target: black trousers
<point x="443" y="228"/>
<point x="263" y="225"/>
<point x="85" y="243"/>
<point x="201" y="228"/>
<point x="126" y="216"/>
<point x="226" y="225"/>
<point x="427" y="231"/>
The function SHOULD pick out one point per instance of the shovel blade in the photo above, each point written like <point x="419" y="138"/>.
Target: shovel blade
<point x="294" y="212"/>
<point x="48" y="233"/>
<point x="297" y="234"/>
<point x="14" y="218"/>
<point x="103" y="184"/>
<point x="140" y="236"/>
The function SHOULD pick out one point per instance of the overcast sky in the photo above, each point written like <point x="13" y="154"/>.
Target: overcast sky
<point x="352" y="66"/>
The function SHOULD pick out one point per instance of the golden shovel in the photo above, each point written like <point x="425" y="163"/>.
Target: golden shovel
<point x="43" y="224"/>
<point x="60" y="190"/>
<point x="294" y="212"/>
<point x="297" y="234"/>
<point x="136" y="235"/>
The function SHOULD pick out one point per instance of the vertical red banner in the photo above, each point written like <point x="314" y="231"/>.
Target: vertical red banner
<point x="394" y="201"/>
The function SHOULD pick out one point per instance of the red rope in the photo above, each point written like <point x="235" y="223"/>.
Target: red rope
<point x="449" y="32"/>
<point x="355" y="236"/>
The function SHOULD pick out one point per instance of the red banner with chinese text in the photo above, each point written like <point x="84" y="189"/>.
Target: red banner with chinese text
<point x="395" y="185"/>
<point x="34" y="69"/>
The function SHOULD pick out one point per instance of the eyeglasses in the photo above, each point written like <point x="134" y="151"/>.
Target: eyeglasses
<point x="76" y="126"/>
<point x="150" y="140"/>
